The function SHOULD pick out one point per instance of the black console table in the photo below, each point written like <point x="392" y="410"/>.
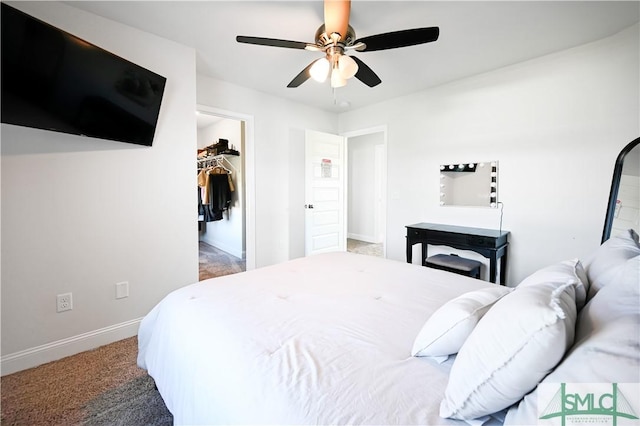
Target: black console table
<point x="489" y="243"/>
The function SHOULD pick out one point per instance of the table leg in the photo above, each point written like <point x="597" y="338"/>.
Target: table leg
<point x="503" y="268"/>
<point x="424" y="254"/>
<point x="492" y="268"/>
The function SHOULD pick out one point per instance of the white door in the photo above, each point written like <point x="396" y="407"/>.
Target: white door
<point x="325" y="208"/>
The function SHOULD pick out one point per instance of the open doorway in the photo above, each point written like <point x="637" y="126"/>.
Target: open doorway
<point x="366" y="191"/>
<point x="221" y="194"/>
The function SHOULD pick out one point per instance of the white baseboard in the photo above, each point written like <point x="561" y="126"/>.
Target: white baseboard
<point x="53" y="351"/>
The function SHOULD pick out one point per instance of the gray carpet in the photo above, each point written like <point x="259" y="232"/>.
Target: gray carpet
<point x="216" y="263"/>
<point x="133" y="403"/>
<point x="102" y="386"/>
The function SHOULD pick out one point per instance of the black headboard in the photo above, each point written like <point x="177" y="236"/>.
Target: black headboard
<point x="615" y="184"/>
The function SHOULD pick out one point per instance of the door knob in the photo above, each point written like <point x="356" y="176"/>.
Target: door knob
<point x="308" y="206"/>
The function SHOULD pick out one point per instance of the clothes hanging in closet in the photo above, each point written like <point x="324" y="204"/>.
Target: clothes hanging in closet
<point x="214" y="193"/>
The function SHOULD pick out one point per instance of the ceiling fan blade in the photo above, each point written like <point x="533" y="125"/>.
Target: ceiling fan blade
<point x="397" y="39"/>
<point x="262" y="41"/>
<point x="302" y="77"/>
<point x="336" y="16"/>
<point x="366" y="74"/>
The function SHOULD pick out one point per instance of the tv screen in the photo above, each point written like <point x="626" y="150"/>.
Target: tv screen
<point x="55" y="81"/>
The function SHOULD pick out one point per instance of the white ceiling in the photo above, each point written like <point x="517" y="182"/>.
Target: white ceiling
<point x="475" y="37"/>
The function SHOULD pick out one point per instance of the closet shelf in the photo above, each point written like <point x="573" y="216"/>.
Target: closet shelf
<point x="215" y="161"/>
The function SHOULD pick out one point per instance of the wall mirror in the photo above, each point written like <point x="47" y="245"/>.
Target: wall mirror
<point x="469" y="184"/>
<point x="623" y="210"/>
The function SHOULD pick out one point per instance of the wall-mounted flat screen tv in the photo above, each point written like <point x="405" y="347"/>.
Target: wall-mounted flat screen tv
<point x="53" y="80"/>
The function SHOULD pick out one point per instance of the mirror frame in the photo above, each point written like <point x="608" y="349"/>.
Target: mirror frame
<point x="615" y="186"/>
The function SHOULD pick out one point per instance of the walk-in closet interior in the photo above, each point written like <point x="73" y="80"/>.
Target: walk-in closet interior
<point x="221" y="196"/>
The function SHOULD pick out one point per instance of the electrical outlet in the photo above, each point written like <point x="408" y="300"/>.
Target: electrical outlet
<point x="65" y="302"/>
<point x="122" y="290"/>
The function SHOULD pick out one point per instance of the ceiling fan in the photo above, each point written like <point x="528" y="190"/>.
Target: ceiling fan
<point x="335" y="37"/>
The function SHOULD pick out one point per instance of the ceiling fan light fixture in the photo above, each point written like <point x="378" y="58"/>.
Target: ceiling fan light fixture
<point x="334" y="37"/>
<point x="347" y="66"/>
<point x="337" y="80"/>
<point x="320" y="70"/>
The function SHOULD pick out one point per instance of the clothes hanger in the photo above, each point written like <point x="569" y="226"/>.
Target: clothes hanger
<point x="219" y="165"/>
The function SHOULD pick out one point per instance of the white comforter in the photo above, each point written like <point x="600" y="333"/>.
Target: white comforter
<point x="319" y="340"/>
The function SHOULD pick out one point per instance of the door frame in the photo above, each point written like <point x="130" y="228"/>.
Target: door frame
<point x="249" y="176"/>
<point x="382" y="222"/>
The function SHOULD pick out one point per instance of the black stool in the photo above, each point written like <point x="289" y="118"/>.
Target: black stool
<point x="456" y="264"/>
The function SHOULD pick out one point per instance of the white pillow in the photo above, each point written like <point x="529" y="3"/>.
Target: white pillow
<point x="621" y="297"/>
<point x="606" y="348"/>
<point x="563" y="272"/>
<point x="447" y="328"/>
<point x="522" y="337"/>
<point x="605" y="264"/>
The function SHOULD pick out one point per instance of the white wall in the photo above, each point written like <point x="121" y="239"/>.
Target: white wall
<point x="568" y="114"/>
<point x="80" y="214"/>
<point x="279" y="162"/>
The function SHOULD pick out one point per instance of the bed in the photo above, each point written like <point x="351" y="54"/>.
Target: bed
<point x="342" y="338"/>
